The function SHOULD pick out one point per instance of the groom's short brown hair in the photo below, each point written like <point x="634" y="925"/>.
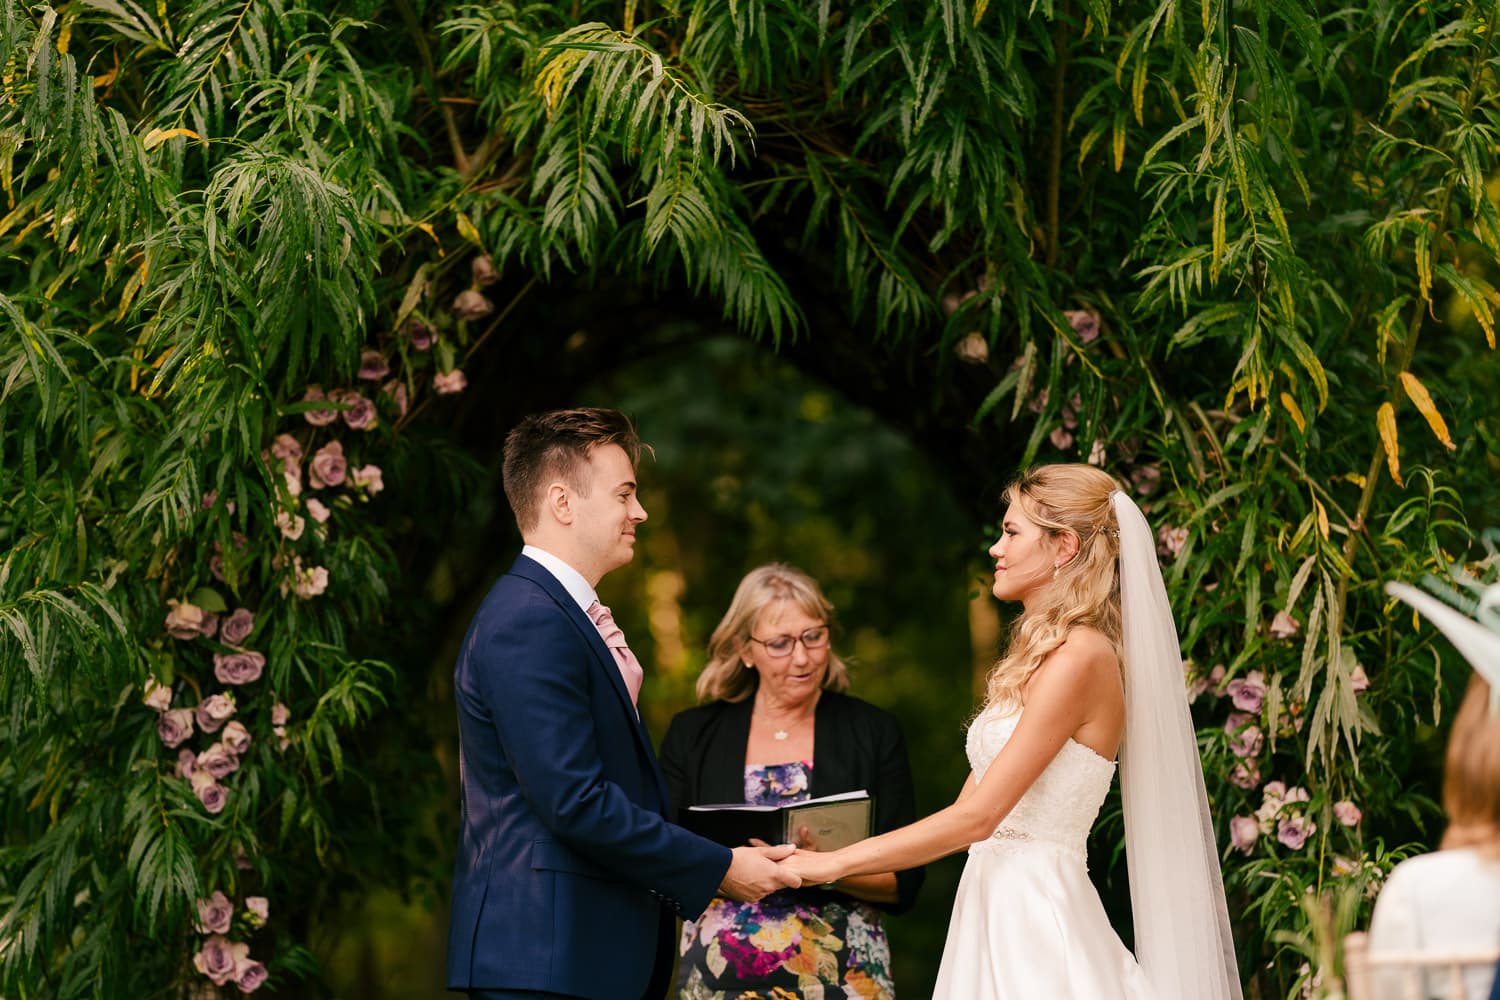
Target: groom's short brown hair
<point x="545" y="447"/>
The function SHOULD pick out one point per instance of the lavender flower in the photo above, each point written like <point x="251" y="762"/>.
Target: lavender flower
<point x="1347" y="813"/>
<point x="186" y="762"/>
<point x="257" y="910"/>
<point x="249" y="975"/>
<point x="1085" y="323"/>
<point x="483" y="271"/>
<point x="470" y="305"/>
<point x="175" y="726"/>
<point x="215" y="960"/>
<point x="238" y="668"/>
<point x="373" y="366"/>
<point x="1284" y="626"/>
<point x="237" y="627"/>
<point x="287" y="448"/>
<point x="1243" y="833"/>
<point x="369" y="478"/>
<point x="318" y="417"/>
<point x="158" y="695"/>
<point x="317" y="510"/>
<point x="213" y="712"/>
<point x="419" y="334"/>
<point x="448" y="383"/>
<point x="1293" y="831"/>
<point x="1249" y="692"/>
<point x="217" y="762"/>
<point x="214" y="914"/>
<point x="184" y="620"/>
<point x="328" y="466"/>
<point x="236" y="738"/>
<point x="361" y="413"/>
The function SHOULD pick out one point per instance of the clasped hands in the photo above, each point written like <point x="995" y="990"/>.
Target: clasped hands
<point x="761" y="869"/>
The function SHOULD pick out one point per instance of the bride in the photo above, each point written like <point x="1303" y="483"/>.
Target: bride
<point x="1093" y="667"/>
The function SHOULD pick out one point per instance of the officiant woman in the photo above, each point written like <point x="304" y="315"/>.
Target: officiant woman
<point x="776" y="726"/>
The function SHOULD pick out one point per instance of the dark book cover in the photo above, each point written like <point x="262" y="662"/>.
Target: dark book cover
<point x="834" y="821"/>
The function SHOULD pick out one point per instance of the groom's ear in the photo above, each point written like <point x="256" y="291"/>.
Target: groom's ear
<point x="559" y="502"/>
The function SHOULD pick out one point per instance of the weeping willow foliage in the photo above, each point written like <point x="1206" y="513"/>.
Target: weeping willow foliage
<point x="1263" y="208"/>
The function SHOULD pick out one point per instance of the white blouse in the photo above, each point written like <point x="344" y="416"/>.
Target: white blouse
<point x="1445" y="902"/>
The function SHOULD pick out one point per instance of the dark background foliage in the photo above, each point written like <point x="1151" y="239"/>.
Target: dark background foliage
<point x="850" y="264"/>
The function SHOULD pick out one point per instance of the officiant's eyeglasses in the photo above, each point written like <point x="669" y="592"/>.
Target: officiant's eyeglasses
<point x="782" y="645"/>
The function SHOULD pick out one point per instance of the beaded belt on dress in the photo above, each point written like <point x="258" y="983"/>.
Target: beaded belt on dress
<point x="1008" y="841"/>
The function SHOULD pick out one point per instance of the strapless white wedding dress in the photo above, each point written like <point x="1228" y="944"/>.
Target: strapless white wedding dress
<point x="1027" y="922"/>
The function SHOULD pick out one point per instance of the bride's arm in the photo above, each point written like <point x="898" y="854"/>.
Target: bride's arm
<point x="1060" y="698"/>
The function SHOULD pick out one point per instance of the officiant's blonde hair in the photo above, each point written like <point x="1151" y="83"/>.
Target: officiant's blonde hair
<point x="726" y="676"/>
<point x="1063" y="499"/>
<point x="1471" y="774"/>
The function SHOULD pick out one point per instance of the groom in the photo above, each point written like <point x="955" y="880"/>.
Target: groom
<point x="568" y="872"/>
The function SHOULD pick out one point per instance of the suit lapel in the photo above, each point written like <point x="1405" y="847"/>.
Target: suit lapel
<point x="534" y="571"/>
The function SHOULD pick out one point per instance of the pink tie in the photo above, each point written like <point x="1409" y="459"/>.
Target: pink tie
<point x="614" y="638"/>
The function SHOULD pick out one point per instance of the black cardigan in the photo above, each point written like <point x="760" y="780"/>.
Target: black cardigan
<point x="855" y="745"/>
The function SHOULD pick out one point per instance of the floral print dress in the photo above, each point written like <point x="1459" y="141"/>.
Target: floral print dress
<point x="784" y="947"/>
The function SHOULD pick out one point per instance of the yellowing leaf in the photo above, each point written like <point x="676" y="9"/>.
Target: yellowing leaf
<point x="426" y="227"/>
<point x="466" y="229"/>
<point x="1417" y="392"/>
<point x="157" y="136"/>
<point x="981" y="6"/>
<point x="1385" y="419"/>
<point x="1295" y="412"/>
<point x="1322" y="517"/>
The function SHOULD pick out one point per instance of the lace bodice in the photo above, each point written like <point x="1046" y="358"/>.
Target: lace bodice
<point x="1060" y="806"/>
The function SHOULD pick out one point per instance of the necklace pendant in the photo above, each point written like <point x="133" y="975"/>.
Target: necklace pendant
<point x="780" y="734"/>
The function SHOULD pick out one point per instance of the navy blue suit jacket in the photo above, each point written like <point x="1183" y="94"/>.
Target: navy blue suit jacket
<point x="566" y="861"/>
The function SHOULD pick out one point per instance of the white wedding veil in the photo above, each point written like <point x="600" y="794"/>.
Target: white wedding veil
<point x="1182" y="936"/>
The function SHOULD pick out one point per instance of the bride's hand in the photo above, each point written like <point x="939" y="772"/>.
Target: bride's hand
<point x="813" y="867"/>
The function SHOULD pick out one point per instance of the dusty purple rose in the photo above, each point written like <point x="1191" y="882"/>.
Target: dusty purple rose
<point x="448" y="383"/>
<point x="186" y="762"/>
<point x="217" y="761"/>
<point x="242" y="667"/>
<point x="1249" y="692"/>
<point x="237" y="627"/>
<point x="396" y="390"/>
<point x="419" y="334"/>
<point x="1244" y="775"/>
<point x="310" y="581"/>
<point x="1061" y="439"/>
<point x="369" y="478"/>
<point x="483" y="271"/>
<point x="328" y="466"/>
<point x="236" y="738"/>
<point x="1284" y="626"/>
<point x="471" y="305"/>
<point x="1216" y="679"/>
<point x="290" y="524"/>
<point x="1343" y="866"/>
<point x="184" y="620"/>
<point x="214" y="914"/>
<point x="1243" y="833"/>
<point x="316" y="510"/>
<point x="213" y="712"/>
<point x="1170" y="540"/>
<point x="318" y="417"/>
<point x="360" y="414"/>
<point x="158" y="695"/>
<point x="280" y="714"/>
<point x="1085" y="323"/>
<point x="175" y="726"/>
<point x="1097" y="453"/>
<point x="1359" y="679"/>
<point x="211" y="794"/>
<point x="257" y="910"/>
<point x="1247" y="742"/>
<point x="972" y="348"/>
<point x="249" y="975"/>
<point x="1196" y="682"/>
<point x="215" y="960"/>
<point x="1293" y="831"/>
<point x="287" y="448"/>
<point x="210" y="625"/>
<point x="293" y="479"/>
<point x="1347" y="813"/>
<point x="372" y="365"/>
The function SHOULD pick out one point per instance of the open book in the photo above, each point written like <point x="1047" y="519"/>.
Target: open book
<point x="833" y="821"/>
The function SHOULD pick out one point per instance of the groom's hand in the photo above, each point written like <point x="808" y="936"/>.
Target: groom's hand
<point x="754" y="873"/>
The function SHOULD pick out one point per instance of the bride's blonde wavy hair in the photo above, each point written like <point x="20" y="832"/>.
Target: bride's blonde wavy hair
<point x="1063" y="499"/>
